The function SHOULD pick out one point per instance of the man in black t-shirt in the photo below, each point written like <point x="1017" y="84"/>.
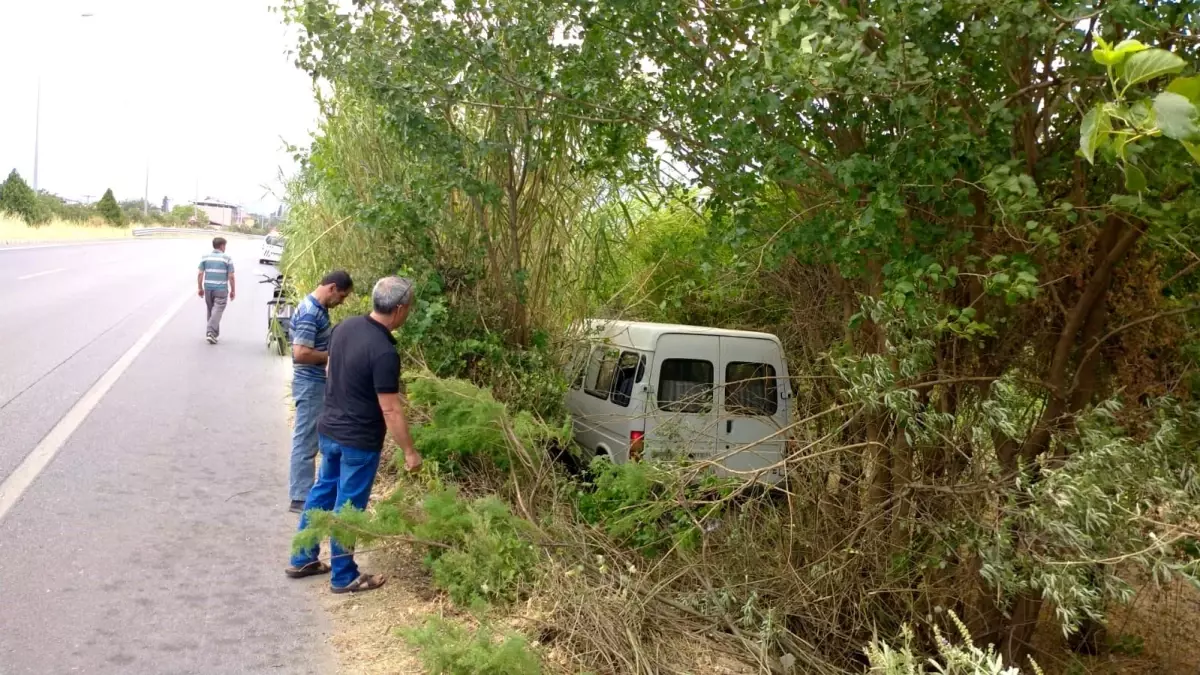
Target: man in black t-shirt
<point x="362" y="404"/>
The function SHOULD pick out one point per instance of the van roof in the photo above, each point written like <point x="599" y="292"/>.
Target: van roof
<point x="644" y="335"/>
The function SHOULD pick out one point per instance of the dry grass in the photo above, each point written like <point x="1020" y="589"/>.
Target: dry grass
<point x="15" y="230"/>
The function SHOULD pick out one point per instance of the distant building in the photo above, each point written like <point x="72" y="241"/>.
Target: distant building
<point x="166" y="205"/>
<point x="220" y="214"/>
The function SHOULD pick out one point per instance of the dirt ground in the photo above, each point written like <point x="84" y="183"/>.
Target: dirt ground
<point x="365" y="625"/>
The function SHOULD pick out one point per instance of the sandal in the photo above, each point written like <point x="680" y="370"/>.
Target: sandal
<point x="364" y="582"/>
<point x="312" y="569"/>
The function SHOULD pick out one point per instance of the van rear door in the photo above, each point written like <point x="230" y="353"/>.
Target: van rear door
<point x="752" y="406"/>
<point x="683" y="381"/>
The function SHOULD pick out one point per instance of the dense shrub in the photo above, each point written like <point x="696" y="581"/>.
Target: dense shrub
<point x="109" y="210"/>
<point x="488" y="557"/>
<point x="651" y="507"/>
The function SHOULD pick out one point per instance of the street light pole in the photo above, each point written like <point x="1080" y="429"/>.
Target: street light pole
<point x="37" y="135"/>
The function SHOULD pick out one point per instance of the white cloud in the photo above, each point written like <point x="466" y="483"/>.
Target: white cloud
<point x="202" y="90"/>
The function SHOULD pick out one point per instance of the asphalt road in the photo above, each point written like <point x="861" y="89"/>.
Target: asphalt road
<point x="154" y="539"/>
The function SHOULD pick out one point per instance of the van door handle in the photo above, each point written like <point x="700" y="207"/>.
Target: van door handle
<point x="729" y="426"/>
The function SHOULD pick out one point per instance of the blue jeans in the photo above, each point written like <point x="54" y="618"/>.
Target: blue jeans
<point x="346" y="478"/>
<point x="309" y="397"/>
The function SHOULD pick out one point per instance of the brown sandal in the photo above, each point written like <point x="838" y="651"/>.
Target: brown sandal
<point x="364" y="582"/>
<point x="312" y="569"/>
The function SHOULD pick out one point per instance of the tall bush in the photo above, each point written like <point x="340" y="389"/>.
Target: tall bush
<point x="109" y="210"/>
<point x="17" y="198"/>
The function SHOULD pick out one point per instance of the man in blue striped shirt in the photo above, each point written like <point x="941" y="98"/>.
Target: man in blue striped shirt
<point x="311" y="329"/>
<point x="216" y="284"/>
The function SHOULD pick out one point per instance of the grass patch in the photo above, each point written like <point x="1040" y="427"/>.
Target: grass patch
<point x="13" y="229"/>
<point x="447" y="648"/>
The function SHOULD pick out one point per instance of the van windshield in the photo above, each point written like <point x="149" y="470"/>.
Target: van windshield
<point x="273" y="240"/>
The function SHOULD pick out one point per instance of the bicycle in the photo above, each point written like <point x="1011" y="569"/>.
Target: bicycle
<point x="279" y="316"/>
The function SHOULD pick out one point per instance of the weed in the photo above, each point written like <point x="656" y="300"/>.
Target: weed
<point x="489" y="558"/>
<point x="449" y="649"/>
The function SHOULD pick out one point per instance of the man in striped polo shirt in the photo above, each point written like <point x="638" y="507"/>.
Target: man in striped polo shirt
<point x="216" y="284"/>
<point x="311" y="329"/>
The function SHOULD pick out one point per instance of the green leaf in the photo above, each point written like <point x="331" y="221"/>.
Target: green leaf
<point x="1193" y="150"/>
<point x="1096" y="125"/>
<point x="1135" y="180"/>
<point x="1105" y="56"/>
<point x="1152" y="63"/>
<point x="1176" y="116"/>
<point x="904" y="287"/>
<point x="1129" y="47"/>
<point x="1187" y="87"/>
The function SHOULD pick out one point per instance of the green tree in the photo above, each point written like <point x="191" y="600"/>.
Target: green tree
<point x="17" y="198"/>
<point x="109" y="209"/>
<point x="183" y="215"/>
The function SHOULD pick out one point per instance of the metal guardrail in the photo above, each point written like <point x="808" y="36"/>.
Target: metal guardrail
<point x="147" y="231"/>
<point x="151" y="231"/>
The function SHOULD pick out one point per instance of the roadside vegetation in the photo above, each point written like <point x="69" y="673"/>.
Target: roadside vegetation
<point x="26" y="215"/>
<point x="974" y="226"/>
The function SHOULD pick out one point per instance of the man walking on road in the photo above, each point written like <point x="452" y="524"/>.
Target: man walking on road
<point x="216" y="284"/>
<point x="310" y="353"/>
<point x="362" y="404"/>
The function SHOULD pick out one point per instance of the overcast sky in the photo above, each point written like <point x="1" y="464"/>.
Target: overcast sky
<point x="201" y="90"/>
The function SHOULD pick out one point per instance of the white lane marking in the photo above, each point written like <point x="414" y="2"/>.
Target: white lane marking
<point x="20" y="479"/>
<point x="41" y="274"/>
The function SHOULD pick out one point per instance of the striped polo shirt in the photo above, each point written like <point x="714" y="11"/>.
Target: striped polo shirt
<point x="217" y="267"/>
<point x="310" y="328"/>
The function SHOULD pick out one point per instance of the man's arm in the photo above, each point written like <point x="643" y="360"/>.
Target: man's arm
<point x="387" y="388"/>
<point x="200" y="282"/>
<point x="308" y="356"/>
<point x="305" y="327"/>
<point x="397" y="425"/>
<point x="232" y="284"/>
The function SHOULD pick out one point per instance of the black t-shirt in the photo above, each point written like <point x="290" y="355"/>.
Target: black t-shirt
<point x="362" y="363"/>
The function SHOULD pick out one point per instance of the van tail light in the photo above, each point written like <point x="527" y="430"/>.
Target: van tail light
<point x="635" y="445"/>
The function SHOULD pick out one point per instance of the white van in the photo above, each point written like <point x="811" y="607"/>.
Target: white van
<point x="667" y="391"/>
<point x="272" y="249"/>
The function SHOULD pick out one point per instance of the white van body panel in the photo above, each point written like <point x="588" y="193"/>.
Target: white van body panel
<point x="705" y="394"/>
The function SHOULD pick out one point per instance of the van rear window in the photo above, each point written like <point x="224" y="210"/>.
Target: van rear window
<point x="751" y="389"/>
<point x="685" y="386"/>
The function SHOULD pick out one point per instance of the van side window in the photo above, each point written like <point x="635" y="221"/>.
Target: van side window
<point x="685" y="386"/>
<point x="751" y="389"/>
<point x="579" y="363"/>
<point x="629" y="370"/>
<point x="601" y="368"/>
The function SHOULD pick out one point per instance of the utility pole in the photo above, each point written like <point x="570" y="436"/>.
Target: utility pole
<point x="37" y="135"/>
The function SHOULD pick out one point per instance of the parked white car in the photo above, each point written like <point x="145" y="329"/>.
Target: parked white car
<point x="660" y="391"/>
<point x="272" y="250"/>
